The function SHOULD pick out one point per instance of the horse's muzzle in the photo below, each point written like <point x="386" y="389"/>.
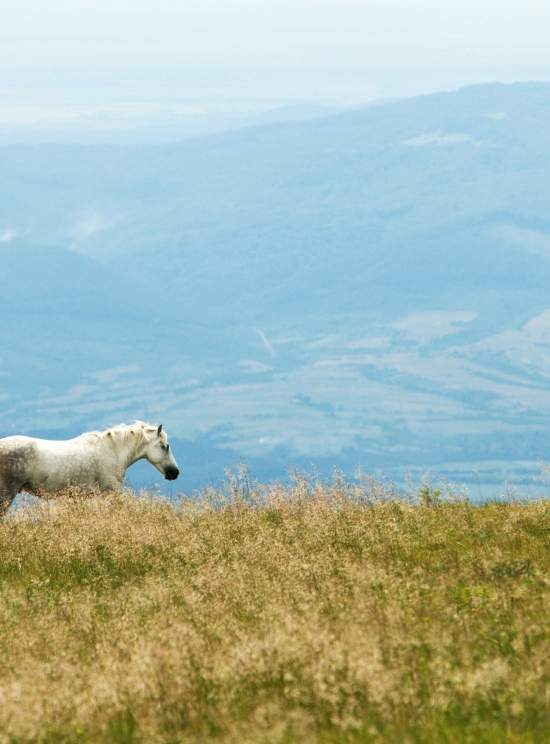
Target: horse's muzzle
<point x="171" y="473"/>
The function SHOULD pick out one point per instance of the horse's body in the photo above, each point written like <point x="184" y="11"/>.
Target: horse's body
<point x="95" y="460"/>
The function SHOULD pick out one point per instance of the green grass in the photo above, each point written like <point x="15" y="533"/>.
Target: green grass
<point x="304" y="614"/>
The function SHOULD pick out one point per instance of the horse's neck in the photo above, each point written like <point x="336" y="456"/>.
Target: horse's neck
<point x="127" y="452"/>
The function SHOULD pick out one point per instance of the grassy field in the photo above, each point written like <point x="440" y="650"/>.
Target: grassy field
<point x="307" y="614"/>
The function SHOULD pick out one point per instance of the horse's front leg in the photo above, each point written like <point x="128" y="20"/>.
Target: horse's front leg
<point x="112" y="485"/>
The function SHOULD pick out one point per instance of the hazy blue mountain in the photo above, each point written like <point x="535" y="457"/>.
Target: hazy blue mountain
<point x="370" y="289"/>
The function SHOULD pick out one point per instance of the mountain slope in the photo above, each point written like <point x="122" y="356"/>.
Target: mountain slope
<point x="370" y="288"/>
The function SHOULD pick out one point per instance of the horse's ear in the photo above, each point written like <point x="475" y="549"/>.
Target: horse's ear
<point x="159" y="430"/>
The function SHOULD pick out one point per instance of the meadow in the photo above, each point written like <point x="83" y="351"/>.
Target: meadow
<point x="309" y="613"/>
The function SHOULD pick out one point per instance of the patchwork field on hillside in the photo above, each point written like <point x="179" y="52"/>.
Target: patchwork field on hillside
<point x="266" y="614"/>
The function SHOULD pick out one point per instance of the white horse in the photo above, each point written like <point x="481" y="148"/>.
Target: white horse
<point x="96" y="460"/>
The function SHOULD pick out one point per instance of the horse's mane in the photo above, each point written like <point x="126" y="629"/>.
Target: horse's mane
<point x="123" y="431"/>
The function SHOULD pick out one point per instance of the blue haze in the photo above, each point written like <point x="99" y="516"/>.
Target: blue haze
<point x="368" y="290"/>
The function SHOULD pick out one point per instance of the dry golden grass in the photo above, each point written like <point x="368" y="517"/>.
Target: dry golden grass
<point x="303" y="614"/>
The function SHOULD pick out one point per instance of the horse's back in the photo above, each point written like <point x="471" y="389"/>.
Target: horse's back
<point x="17" y="444"/>
<point x="34" y="445"/>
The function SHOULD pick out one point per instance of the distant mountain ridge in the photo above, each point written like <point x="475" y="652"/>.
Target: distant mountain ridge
<point x="368" y="289"/>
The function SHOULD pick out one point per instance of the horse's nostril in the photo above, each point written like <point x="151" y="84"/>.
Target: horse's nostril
<point x="171" y="473"/>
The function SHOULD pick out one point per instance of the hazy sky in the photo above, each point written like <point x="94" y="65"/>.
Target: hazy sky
<point x="337" y="50"/>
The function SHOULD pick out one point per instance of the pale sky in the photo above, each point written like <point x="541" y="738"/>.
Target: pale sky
<point x="324" y="50"/>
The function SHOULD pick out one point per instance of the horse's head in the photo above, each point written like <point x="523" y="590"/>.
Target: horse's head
<point x="157" y="451"/>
